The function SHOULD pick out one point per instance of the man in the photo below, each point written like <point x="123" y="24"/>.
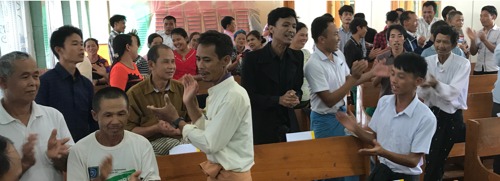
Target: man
<point x="432" y="49"/>
<point x="92" y="157"/>
<point x="370" y="34"/>
<point x="380" y="41"/>
<point x="447" y="10"/>
<point x="456" y="20"/>
<point x="273" y="77"/>
<point x="483" y="42"/>
<point x="64" y="88"/>
<point x="169" y="23"/>
<point x="224" y="132"/>
<point x="229" y="25"/>
<point x="429" y="9"/>
<point x="38" y="132"/>
<point x="117" y="23"/>
<point x="346" y="12"/>
<point x="445" y="92"/>
<point x="413" y="43"/>
<point x="142" y="121"/>
<point x="401" y="128"/>
<point x="353" y="50"/>
<point x="10" y="160"/>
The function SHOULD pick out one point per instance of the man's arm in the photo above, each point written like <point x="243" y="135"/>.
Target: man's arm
<point x="409" y="160"/>
<point x="349" y="121"/>
<point x="472" y="36"/>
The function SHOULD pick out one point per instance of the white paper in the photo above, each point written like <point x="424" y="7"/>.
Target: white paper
<point x="300" y="136"/>
<point x="181" y="149"/>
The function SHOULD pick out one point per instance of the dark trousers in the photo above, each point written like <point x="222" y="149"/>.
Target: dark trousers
<point x="450" y="128"/>
<point x="496" y="159"/>
<point x="382" y="172"/>
<point x="483" y="72"/>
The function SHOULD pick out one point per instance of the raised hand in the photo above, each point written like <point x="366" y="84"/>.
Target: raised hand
<point x="358" y="67"/>
<point x="471" y="34"/>
<point x="190" y="88"/>
<point x="349" y="121"/>
<point x="57" y="148"/>
<point x="106" y="167"/>
<point x="99" y="69"/>
<point x="380" y="69"/>
<point x="166" y="129"/>
<point x="430" y="82"/>
<point x="375" y="151"/>
<point x="28" y="150"/>
<point x="167" y="113"/>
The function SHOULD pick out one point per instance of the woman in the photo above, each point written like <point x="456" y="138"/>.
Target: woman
<point x="153" y="39"/>
<point x="124" y="72"/>
<point x="193" y="40"/>
<point x="100" y="66"/>
<point x="185" y="57"/>
<point x="298" y="43"/>
<point x="240" y="49"/>
<point x="255" y="41"/>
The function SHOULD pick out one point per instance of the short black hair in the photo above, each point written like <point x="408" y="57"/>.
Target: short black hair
<point x="452" y="14"/>
<point x="400" y="9"/>
<point x="259" y="36"/>
<point x="319" y="27"/>
<point x="170" y="18"/>
<point x="116" y="18"/>
<point x="152" y="36"/>
<point x="180" y="31"/>
<point x="282" y="12"/>
<point x="107" y="93"/>
<point x="359" y="15"/>
<point x="391" y="16"/>
<point x="153" y="52"/>
<point x="346" y="8"/>
<point x="449" y="31"/>
<point x="430" y="3"/>
<point x="398" y="27"/>
<point x="222" y="42"/>
<point x="329" y="15"/>
<point x="490" y="9"/>
<point x="405" y="16"/>
<point x="90" y="39"/>
<point x="236" y="33"/>
<point x="447" y="10"/>
<point x="436" y="25"/>
<point x="4" y="158"/>
<point x="192" y="35"/>
<point x="120" y="43"/>
<point x="59" y="36"/>
<point x="355" y="23"/>
<point x="226" y="21"/>
<point x="134" y="34"/>
<point x="410" y="62"/>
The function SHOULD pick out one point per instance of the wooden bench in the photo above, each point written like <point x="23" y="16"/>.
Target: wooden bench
<point x="479" y="105"/>
<point x="369" y="94"/>
<point x="483" y="136"/>
<point x="302" y="160"/>
<point x="481" y="83"/>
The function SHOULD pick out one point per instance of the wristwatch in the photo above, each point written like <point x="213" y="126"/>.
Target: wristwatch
<point x="176" y="122"/>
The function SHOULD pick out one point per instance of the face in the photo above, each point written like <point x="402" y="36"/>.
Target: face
<point x="346" y="18"/>
<point x="428" y="13"/>
<point x="168" y="26"/>
<point x="284" y="31"/>
<point x="15" y="169"/>
<point x="164" y="68"/>
<point x="362" y="31"/>
<point x="241" y="40"/>
<point x="396" y="39"/>
<point x="180" y="43"/>
<point x="112" y="116"/>
<point x="23" y="84"/>
<point x="120" y="26"/>
<point x="194" y="42"/>
<point x="156" y="41"/>
<point x="330" y="39"/>
<point x="91" y="47"/>
<point x="253" y="42"/>
<point x="133" y="48"/>
<point x="72" y="51"/>
<point x="443" y="45"/>
<point x="403" y="82"/>
<point x="210" y="67"/>
<point x="300" y="39"/>
<point x="411" y="24"/>
<point x="457" y="21"/>
<point x="487" y="19"/>
<point x="232" y="27"/>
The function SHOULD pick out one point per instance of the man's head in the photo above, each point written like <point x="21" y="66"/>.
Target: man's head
<point x="395" y="34"/>
<point x="161" y="62"/>
<point x="228" y="23"/>
<point x="447" y="10"/>
<point x="345" y="13"/>
<point x="154" y="39"/>
<point x="10" y="161"/>
<point x="325" y="34"/>
<point x="67" y="45"/>
<point x="399" y="11"/>
<point x="169" y="23"/>
<point x="456" y="19"/>
<point x="358" y="26"/>
<point x="445" y="39"/>
<point x="409" y="21"/>
<point x="429" y="9"/>
<point x="110" y="110"/>
<point x="281" y="23"/>
<point x="19" y="77"/>
<point x="328" y="15"/>
<point x="408" y="72"/>
<point x="117" y="22"/>
<point x="488" y="16"/>
<point x="435" y="26"/>
<point x="213" y="55"/>
<point x="391" y="18"/>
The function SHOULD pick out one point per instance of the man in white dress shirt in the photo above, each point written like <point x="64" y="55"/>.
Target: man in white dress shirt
<point x="224" y="133"/>
<point x="445" y="92"/>
<point x="169" y="23"/>
<point x="429" y="9"/>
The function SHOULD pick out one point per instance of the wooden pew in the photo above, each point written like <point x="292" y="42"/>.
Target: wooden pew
<point x="479" y="105"/>
<point x="370" y="94"/>
<point x="481" y="83"/>
<point x="483" y="136"/>
<point x="302" y="160"/>
<point x="472" y="65"/>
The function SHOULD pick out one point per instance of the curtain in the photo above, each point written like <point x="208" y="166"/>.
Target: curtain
<point x="14" y="21"/>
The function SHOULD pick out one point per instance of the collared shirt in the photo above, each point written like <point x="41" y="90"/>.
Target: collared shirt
<point x="112" y="36"/>
<point x="380" y="41"/>
<point x="424" y="28"/>
<point x="230" y="34"/>
<point x="72" y="96"/>
<point x="41" y="122"/>
<point x="185" y="65"/>
<point x="345" y="35"/>
<point x="324" y="74"/>
<point x="496" y="89"/>
<point x="143" y="94"/>
<point x="225" y="132"/>
<point x="484" y="56"/>
<point x="353" y="51"/>
<point x="432" y="51"/>
<point x="450" y="93"/>
<point x="409" y="131"/>
<point x="167" y="39"/>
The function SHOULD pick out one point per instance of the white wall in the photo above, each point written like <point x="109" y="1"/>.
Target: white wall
<point x="307" y="11"/>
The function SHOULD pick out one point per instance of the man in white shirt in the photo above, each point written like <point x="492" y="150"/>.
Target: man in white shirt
<point x="224" y="133"/>
<point x="484" y="41"/>
<point x="169" y="23"/>
<point x="228" y="23"/>
<point x="401" y="128"/>
<point x="92" y="157"/>
<point x="413" y="41"/>
<point x="38" y="132"/>
<point x="429" y="9"/>
<point x="445" y="92"/>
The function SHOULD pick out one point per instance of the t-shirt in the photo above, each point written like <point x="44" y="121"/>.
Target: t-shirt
<point x="185" y="65"/>
<point x="123" y="77"/>
<point x="133" y="153"/>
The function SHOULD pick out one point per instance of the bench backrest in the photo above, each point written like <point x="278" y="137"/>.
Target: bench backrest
<point x="481" y="83"/>
<point x="483" y="137"/>
<point x="479" y="105"/>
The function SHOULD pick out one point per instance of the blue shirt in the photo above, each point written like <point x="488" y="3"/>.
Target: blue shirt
<point x="432" y="51"/>
<point x="71" y="96"/>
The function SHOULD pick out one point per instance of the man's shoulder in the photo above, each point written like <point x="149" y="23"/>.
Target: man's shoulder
<point x="85" y="143"/>
<point x="137" y="140"/>
<point x="50" y="74"/>
<point x="138" y="88"/>
<point x="424" y="113"/>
